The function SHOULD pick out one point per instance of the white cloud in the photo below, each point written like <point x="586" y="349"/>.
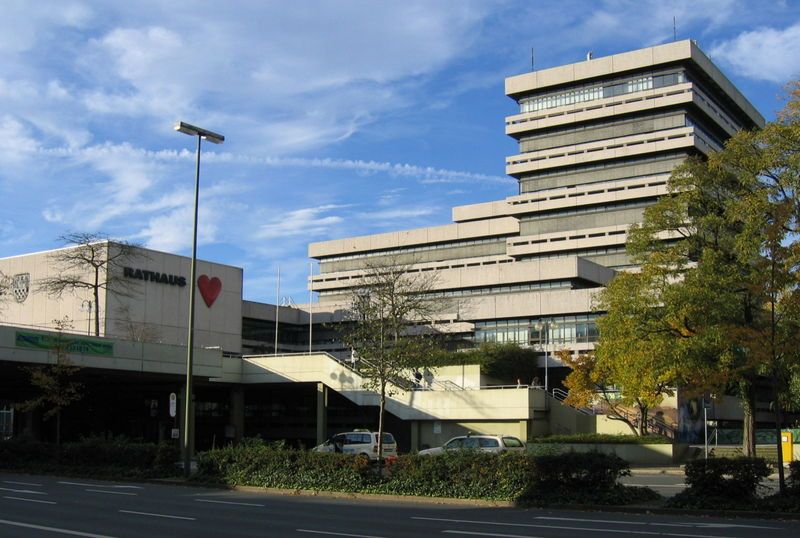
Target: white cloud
<point x="764" y="54"/>
<point x="308" y="222"/>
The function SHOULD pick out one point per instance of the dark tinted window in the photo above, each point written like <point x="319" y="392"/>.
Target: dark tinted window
<point x="485" y="442"/>
<point x="458" y="442"/>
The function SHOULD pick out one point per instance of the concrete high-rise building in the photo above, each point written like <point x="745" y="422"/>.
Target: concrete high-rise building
<point x="598" y="140"/>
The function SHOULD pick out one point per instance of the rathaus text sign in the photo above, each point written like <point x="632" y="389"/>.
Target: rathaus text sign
<point x="69" y="344"/>
<point x="152" y="276"/>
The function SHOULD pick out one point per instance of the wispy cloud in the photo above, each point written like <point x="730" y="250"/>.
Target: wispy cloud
<point x="309" y="222"/>
<point x="770" y="54"/>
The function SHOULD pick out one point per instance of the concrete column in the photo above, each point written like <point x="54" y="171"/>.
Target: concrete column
<point x="414" y="436"/>
<point x="523" y="430"/>
<point x="237" y="412"/>
<point x="322" y="413"/>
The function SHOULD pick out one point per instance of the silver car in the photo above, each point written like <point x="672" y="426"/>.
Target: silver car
<point x="485" y="443"/>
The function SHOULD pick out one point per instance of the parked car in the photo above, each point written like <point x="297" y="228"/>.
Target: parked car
<point x="360" y="442"/>
<point x="485" y="443"/>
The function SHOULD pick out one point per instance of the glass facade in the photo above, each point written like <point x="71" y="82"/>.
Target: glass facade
<point x="556" y="330"/>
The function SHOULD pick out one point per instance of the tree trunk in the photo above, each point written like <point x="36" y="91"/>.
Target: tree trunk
<point x="748" y="402"/>
<point x="380" y="427"/>
<point x="643" y="414"/>
<point x="96" y="303"/>
<point x="58" y="427"/>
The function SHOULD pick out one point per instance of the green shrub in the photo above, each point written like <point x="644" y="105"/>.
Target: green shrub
<point x="275" y="466"/>
<point x="593" y="438"/>
<point x="722" y="483"/>
<point x="93" y="456"/>
<point x="460" y="474"/>
<point x="557" y="478"/>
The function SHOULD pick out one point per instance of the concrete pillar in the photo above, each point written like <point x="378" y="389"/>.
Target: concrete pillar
<point x="322" y="413"/>
<point x="414" y="436"/>
<point x="524" y="434"/>
<point x="237" y="412"/>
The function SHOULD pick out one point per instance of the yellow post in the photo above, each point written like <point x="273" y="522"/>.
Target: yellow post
<point x="787" y="448"/>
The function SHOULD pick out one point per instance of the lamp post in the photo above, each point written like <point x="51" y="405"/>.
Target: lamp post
<point x="188" y="432"/>
<point x="544" y="328"/>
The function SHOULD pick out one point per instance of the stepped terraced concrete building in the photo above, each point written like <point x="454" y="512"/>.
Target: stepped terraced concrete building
<point x="597" y="142"/>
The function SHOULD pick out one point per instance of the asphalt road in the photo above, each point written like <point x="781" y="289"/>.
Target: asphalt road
<point x="39" y="506"/>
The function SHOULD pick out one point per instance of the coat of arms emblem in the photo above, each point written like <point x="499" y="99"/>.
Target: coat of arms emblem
<point x="20" y="285"/>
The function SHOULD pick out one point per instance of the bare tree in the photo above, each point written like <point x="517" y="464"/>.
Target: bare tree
<point x="93" y="262"/>
<point x="388" y="316"/>
<point x="55" y="383"/>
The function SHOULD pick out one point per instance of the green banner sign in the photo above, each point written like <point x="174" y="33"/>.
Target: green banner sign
<point x="68" y="342"/>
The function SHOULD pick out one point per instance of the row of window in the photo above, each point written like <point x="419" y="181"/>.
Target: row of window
<point x="604" y="164"/>
<point x="411" y="250"/>
<point x="582" y="210"/>
<point x="592" y="93"/>
<point x="525" y="143"/>
<point x="552" y="284"/>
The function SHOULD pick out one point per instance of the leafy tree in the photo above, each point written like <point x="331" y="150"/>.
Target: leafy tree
<point x="55" y="383"/>
<point x="92" y="263"/>
<point x="723" y="250"/>
<point x="632" y="366"/>
<point x="389" y="315"/>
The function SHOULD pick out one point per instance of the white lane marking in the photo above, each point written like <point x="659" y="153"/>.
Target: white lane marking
<point x="110" y="492"/>
<point x="227" y="502"/>
<point x="21" y="483"/>
<point x="698" y="524"/>
<point x="157" y="515"/>
<point x="29" y="491"/>
<point x="586" y="529"/>
<point x="329" y="533"/>
<point x="52" y="529"/>
<point x="473" y="533"/>
<point x="29" y="500"/>
<point x="124" y="487"/>
<point x="592" y="520"/>
<point x="76" y="483"/>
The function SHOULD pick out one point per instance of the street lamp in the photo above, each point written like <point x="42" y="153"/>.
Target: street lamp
<point x="215" y="138"/>
<point x="545" y="327"/>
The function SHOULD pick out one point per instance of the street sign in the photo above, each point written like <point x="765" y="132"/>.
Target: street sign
<point x="176" y="433"/>
<point x="173" y="404"/>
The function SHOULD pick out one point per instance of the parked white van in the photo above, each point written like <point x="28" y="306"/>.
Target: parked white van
<point x="359" y="442"/>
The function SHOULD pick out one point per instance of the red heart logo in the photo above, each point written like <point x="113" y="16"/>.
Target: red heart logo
<point x="209" y="289"/>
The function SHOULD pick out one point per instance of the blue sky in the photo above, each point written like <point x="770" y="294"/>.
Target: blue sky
<point x="341" y="117"/>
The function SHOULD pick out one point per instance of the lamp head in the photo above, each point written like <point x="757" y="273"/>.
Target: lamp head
<point x="192" y="130"/>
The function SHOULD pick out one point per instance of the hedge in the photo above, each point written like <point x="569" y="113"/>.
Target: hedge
<point x="595" y="438"/>
<point x="722" y="483"/>
<point x="524" y="478"/>
<point x="92" y="456"/>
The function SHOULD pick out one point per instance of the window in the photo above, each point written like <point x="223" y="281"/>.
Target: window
<point x="583" y="94"/>
<point x="488" y="443"/>
<point x="512" y="442"/>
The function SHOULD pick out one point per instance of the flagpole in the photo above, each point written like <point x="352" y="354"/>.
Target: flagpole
<point x="310" y="305"/>
<point x="277" y="307"/>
